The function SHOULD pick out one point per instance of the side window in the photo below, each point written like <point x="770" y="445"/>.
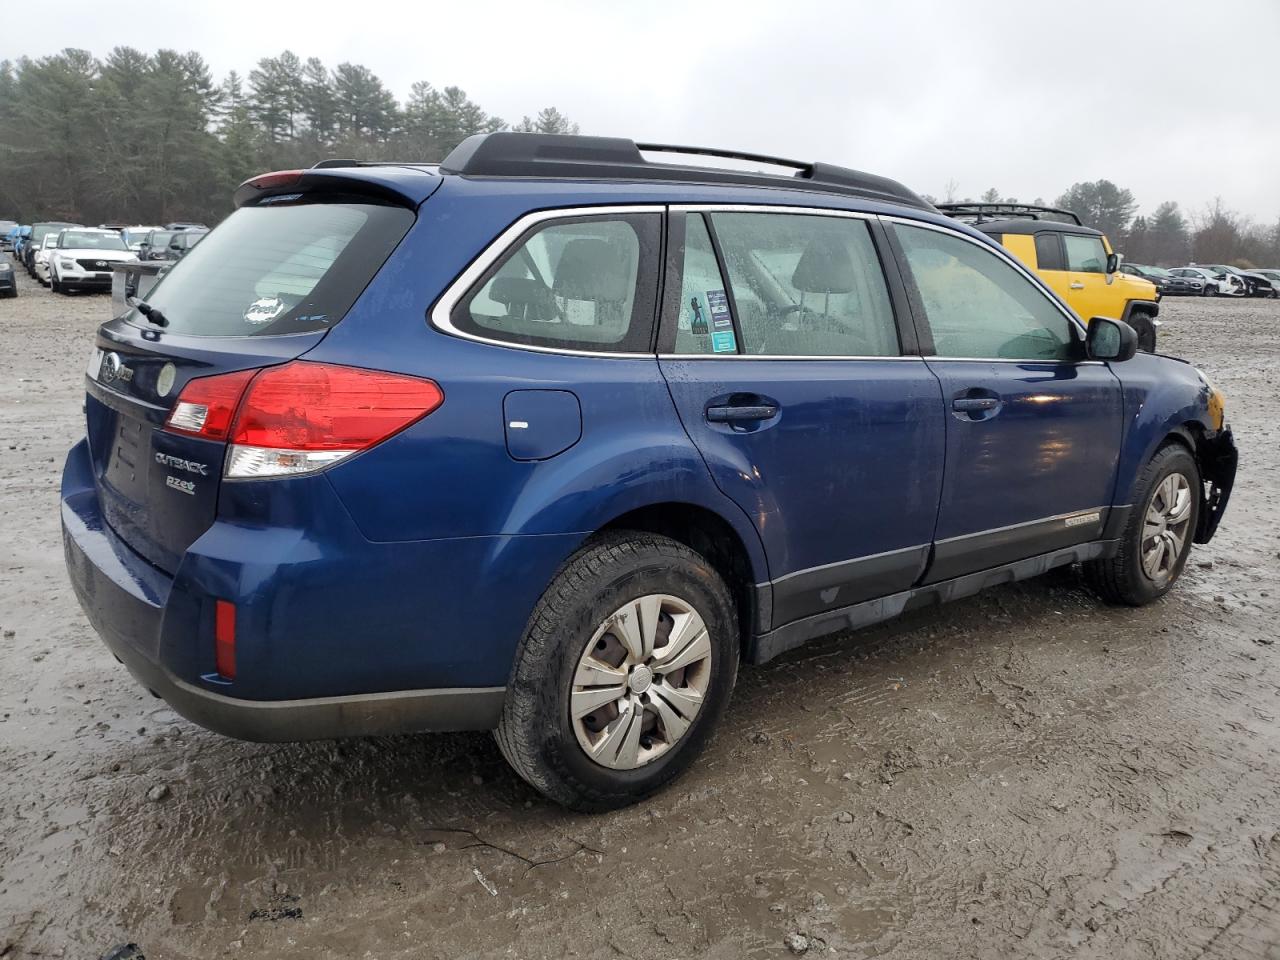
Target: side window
<point x="1049" y="252"/>
<point x="580" y="284"/>
<point x="806" y="285"/>
<point x="1085" y="254"/>
<point x="704" y="324"/>
<point x="979" y="306"/>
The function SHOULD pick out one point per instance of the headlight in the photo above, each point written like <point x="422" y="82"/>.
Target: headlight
<point x="68" y="264"/>
<point x="5" y="266"/>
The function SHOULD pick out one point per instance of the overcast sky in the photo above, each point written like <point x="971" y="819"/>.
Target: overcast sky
<point x="1176" y="100"/>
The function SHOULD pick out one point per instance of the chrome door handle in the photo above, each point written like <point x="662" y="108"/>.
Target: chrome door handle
<point x="1077" y="285"/>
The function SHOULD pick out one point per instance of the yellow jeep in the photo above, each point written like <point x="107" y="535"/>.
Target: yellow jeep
<point x="1076" y="261"/>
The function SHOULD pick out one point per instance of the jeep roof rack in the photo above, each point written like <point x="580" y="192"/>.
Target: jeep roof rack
<point x="557" y="156"/>
<point x="982" y="212"/>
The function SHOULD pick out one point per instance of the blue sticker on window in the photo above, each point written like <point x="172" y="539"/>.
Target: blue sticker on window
<point x="718" y="304"/>
<point x="722" y="341"/>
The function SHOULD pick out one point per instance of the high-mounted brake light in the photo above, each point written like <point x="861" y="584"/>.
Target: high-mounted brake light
<point x="279" y="178"/>
<point x="300" y="416"/>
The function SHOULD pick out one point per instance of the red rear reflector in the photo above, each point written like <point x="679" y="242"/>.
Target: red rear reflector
<point x="279" y="178"/>
<point x="321" y="406"/>
<point x="207" y="404"/>
<point x="224" y="638"/>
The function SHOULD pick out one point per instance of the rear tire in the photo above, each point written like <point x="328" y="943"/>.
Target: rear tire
<point x="1160" y="521"/>
<point x="632" y="743"/>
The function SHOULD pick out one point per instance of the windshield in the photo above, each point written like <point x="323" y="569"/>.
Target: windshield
<point x="85" y="240"/>
<point x="159" y="238"/>
<point x="41" y="230"/>
<point x="278" y="269"/>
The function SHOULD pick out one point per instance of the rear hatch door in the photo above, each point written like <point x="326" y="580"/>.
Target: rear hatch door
<point x="261" y="289"/>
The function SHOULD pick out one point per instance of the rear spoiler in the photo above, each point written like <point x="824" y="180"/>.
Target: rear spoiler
<point x="401" y="186"/>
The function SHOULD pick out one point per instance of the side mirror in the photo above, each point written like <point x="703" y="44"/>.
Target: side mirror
<point x="1113" y="262"/>
<point x="1112" y="340"/>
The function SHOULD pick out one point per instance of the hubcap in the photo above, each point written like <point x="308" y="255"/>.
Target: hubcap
<point x="1165" y="527"/>
<point x="640" y="682"/>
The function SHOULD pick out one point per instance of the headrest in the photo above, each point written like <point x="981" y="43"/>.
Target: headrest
<point x="824" y="267"/>
<point x="523" y="295"/>
<point x="589" y="269"/>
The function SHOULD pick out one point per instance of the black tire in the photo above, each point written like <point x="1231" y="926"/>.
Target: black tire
<point x="1122" y="578"/>
<point x="536" y="734"/>
<point x="1210" y="289"/>
<point x="1145" y="329"/>
<point x="54" y="285"/>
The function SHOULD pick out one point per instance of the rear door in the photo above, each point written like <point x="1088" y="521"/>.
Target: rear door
<point x="261" y="289"/>
<point x="791" y="373"/>
<point x="1032" y="428"/>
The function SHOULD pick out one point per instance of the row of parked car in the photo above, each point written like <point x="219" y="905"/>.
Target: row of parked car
<point x="1209" y="280"/>
<point x="70" y="256"/>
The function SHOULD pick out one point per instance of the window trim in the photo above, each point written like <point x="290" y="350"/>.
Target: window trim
<point x="1066" y="256"/>
<point x="1001" y="253"/>
<point x="903" y="320"/>
<point x="440" y="314"/>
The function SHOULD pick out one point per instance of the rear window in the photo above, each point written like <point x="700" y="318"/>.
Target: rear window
<point x="278" y="269"/>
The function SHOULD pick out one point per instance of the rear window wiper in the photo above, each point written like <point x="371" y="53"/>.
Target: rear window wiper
<point x="152" y="314"/>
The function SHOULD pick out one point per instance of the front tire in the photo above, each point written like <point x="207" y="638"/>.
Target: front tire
<point x="626" y="666"/>
<point x="1146" y="331"/>
<point x="1157" y="538"/>
<point x="1210" y="290"/>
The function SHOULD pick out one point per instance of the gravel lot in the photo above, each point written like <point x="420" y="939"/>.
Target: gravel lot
<point x="1025" y="773"/>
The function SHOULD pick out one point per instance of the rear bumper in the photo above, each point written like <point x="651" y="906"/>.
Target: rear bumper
<point x="150" y="622"/>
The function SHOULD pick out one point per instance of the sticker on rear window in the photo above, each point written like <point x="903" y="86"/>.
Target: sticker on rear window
<point x="722" y="342"/>
<point x="264" y="310"/>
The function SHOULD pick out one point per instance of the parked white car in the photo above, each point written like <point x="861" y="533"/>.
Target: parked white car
<point x="1228" y="285"/>
<point x="40" y="259"/>
<point x="134" y="235"/>
<point x="82" y="258"/>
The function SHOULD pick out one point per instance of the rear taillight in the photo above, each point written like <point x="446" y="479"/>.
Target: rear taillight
<point x="206" y="406"/>
<point x="301" y="416"/>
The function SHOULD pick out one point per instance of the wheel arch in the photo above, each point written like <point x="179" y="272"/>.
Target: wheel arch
<point x="715" y="537"/>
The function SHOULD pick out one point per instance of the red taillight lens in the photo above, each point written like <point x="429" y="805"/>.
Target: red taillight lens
<point x="224" y="638"/>
<point x="207" y="405"/>
<point x="300" y="416"/>
<point x="320" y="406"/>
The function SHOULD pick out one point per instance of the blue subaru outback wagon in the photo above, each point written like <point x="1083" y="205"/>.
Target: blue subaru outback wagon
<point x="548" y="438"/>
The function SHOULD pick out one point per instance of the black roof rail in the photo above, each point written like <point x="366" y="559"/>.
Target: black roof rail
<point x="982" y="212"/>
<point x="558" y="156"/>
<point x="334" y="162"/>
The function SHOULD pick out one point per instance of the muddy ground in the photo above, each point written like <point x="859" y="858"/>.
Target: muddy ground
<point x="1025" y="773"/>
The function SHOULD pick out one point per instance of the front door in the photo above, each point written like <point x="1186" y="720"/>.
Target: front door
<point x="792" y="381"/>
<point x="1032" y="428"/>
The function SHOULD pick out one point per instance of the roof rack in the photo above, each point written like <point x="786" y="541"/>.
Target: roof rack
<point x="982" y="212"/>
<point x="557" y="156"/>
<point x="334" y="162"/>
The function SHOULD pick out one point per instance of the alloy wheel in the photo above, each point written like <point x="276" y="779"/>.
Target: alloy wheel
<point x="1166" y="527"/>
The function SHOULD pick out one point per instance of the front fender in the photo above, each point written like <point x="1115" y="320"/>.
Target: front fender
<point x="1163" y="397"/>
